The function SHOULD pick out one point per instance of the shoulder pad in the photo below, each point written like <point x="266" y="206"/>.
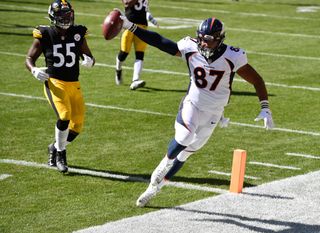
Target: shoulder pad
<point x="37" y="33"/>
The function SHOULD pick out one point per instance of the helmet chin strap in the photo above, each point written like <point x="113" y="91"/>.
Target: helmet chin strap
<point x="208" y="52"/>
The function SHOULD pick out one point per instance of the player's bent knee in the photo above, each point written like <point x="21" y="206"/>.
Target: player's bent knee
<point x="122" y="56"/>
<point x="62" y="124"/>
<point x="184" y="155"/>
<point x="174" y="149"/>
<point x="76" y="127"/>
<point x="183" y="135"/>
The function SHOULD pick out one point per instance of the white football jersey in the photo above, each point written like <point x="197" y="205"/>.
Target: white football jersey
<point x="210" y="83"/>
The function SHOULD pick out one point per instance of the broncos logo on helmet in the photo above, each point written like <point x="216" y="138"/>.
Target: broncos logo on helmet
<point x="210" y="30"/>
<point x="61" y="14"/>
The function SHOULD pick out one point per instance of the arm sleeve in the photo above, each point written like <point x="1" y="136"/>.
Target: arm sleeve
<point x="158" y="41"/>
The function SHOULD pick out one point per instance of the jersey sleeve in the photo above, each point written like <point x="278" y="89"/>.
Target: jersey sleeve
<point x="85" y="31"/>
<point x="241" y="59"/>
<point x="186" y="45"/>
<point x="36" y="33"/>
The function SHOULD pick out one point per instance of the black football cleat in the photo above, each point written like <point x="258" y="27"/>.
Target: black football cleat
<point x="61" y="161"/>
<point x="52" y="153"/>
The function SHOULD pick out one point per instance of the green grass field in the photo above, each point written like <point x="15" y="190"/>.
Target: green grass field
<point x="122" y="133"/>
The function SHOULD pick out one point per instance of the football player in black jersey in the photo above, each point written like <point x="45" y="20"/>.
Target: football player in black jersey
<point x="136" y="11"/>
<point x="62" y="45"/>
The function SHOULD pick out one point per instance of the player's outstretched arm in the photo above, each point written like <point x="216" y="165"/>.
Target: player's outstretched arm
<point x="151" y="38"/>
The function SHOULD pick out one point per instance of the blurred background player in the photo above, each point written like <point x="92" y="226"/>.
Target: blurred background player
<point x="62" y="44"/>
<point x="136" y="11"/>
<point x="212" y="66"/>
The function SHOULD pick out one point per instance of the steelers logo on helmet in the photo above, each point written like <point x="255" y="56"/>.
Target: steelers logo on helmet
<point x="210" y="30"/>
<point x="61" y="14"/>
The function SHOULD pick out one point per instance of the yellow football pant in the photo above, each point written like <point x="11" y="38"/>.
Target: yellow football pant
<point x="66" y="99"/>
<point x="128" y="38"/>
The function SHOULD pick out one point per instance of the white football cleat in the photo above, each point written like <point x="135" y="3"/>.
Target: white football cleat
<point x="151" y="191"/>
<point x="137" y="84"/>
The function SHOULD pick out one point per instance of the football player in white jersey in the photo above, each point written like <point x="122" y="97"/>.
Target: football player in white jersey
<point x="212" y="66"/>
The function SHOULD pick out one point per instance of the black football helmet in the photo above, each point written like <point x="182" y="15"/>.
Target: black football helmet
<point x="210" y="29"/>
<point x="61" y="14"/>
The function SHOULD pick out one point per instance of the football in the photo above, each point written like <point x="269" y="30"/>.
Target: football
<point x="112" y="25"/>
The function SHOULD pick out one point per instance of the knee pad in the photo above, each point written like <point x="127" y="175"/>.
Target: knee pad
<point x="139" y="55"/>
<point x="183" y="135"/>
<point x="122" y="56"/>
<point x="62" y="125"/>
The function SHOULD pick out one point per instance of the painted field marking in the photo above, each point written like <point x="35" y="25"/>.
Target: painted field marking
<point x="251" y="14"/>
<point x="274" y="165"/>
<point x="307" y="9"/>
<point x="180" y="73"/>
<point x="167" y="114"/>
<point x="4" y="176"/>
<point x="114" y="176"/>
<point x="303" y="155"/>
<point x="229" y="174"/>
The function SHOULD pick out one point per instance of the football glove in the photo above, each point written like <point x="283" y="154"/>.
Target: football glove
<point x="126" y="23"/>
<point x="266" y="116"/>
<point x="39" y="74"/>
<point x="87" y="61"/>
<point x="224" y="122"/>
<point x="151" y="19"/>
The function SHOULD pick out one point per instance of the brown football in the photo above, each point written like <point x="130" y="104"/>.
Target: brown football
<point x="112" y="25"/>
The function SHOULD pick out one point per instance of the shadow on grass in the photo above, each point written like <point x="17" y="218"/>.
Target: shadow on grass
<point x="127" y="177"/>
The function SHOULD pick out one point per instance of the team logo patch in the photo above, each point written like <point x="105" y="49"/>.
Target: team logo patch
<point x="77" y="37"/>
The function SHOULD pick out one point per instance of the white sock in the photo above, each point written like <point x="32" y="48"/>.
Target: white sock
<point x="137" y="68"/>
<point x="161" y="170"/>
<point x="118" y="64"/>
<point x="61" y="139"/>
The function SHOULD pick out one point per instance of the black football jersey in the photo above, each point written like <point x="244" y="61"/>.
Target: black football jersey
<point x="61" y="53"/>
<point x="137" y="13"/>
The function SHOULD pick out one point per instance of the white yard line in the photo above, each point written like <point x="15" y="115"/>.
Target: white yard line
<point x="166" y="7"/>
<point x="165" y="114"/>
<point x="4" y="176"/>
<point x="183" y="74"/>
<point x="114" y="176"/>
<point x="303" y="155"/>
<point x="288" y="205"/>
<point x="229" y="174"/>
<point x="273" y="165"/>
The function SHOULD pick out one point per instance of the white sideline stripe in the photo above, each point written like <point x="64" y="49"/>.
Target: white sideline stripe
<point x="229" y="174"/>
<point x="4" y="176"/>
<point x="193" y="22"/>
<point x="129" y="109"/>
<point x="303" y="155"/>
<point x="287" y="205"/>
<point x="113" y="176"/>
<point x="182" y="74"/>
<point x="284" y="55"/>
<point x="195" y="187"/>
<point x="168" y="114"/>
<point x="180" y="8"/>
<point x="277" y="129"/>
<point x="274" y="165"/>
